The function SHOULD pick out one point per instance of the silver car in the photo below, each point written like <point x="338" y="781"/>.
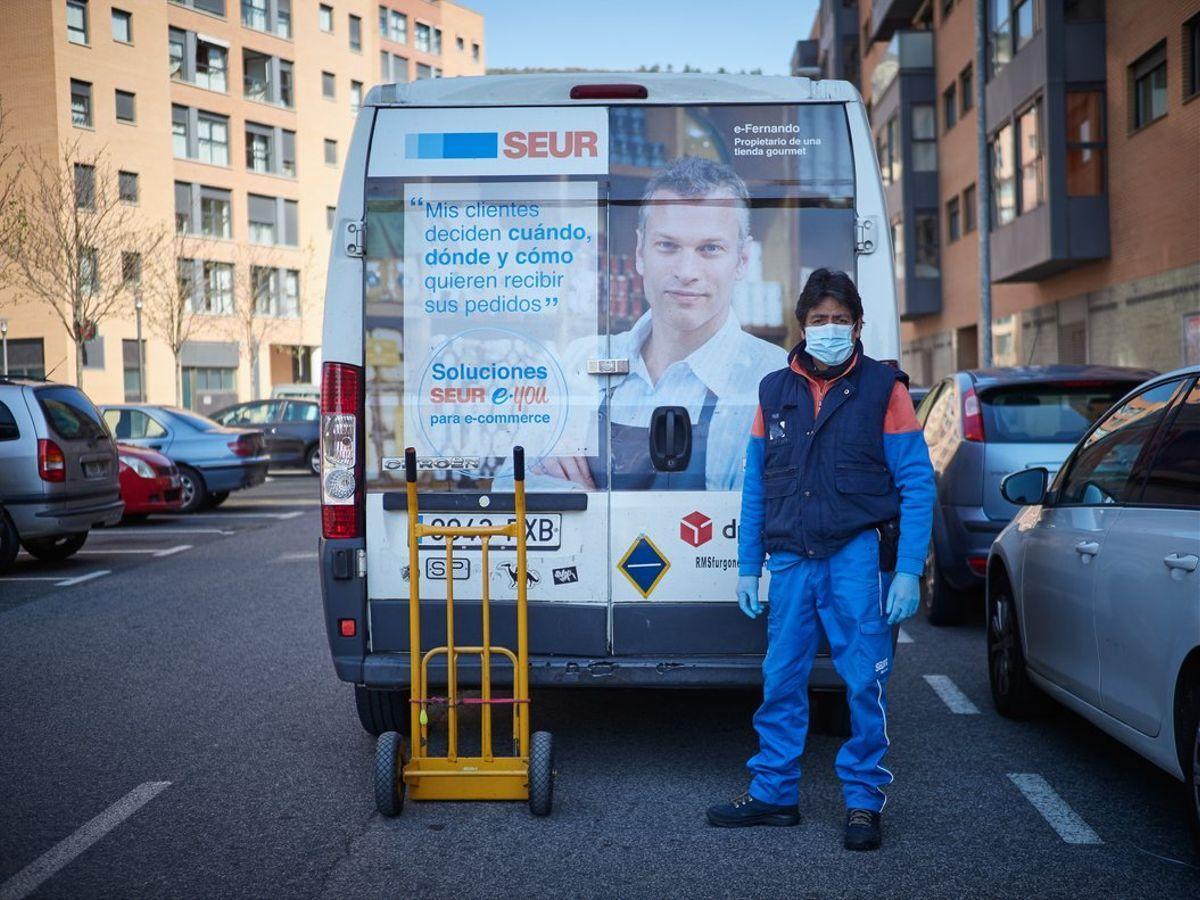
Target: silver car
<point x="1093" y="593"/>
<point x="982" y="425"/>
<point x="58" y="469"/>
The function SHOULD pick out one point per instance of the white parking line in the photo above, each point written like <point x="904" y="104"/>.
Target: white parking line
<point x="61" y="854"/>
<point x="153" y="530"/>
<point x="297" y="556"/>
<point x="80" y="579"/>
<point x="903" y="637"/>
<point x="31" y="578"/>
<point x="152" y="551"/>
<point x="231" y="515"/>
<point x="958" y="702"/>
<point x="1054" y="809"/>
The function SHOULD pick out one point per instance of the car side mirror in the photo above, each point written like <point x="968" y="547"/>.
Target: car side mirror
<point x="1027" y="488"/>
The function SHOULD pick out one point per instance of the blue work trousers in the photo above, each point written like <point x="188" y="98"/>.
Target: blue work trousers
<point x="843" y="594"/>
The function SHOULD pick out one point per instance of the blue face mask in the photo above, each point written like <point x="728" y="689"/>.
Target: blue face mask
<point x="831" y="344"/>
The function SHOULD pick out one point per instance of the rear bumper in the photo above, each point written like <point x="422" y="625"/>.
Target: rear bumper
<point x="237" y="476"/>
<point x="390" y="671"/>
<point x="65" y="516"/>
<point x="967" y="532"/>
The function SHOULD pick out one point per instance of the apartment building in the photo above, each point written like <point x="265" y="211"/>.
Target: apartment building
<point x="1093" y="133"/>
<point x="226" y="121"/>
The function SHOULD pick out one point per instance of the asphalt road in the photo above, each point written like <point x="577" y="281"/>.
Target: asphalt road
<point x="174" y="728"/>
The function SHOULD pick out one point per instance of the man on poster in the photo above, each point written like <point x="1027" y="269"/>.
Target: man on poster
<point x="688" y="349"/>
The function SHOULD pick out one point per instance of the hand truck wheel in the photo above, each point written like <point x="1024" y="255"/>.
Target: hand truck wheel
<point x="389" y="777"/>
<point x="541" y="773"/>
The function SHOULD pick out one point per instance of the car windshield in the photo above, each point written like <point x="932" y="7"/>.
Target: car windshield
<point x="194" y="420"/>
<point x="1046" y="413"/>
<point x="70" y="413"/>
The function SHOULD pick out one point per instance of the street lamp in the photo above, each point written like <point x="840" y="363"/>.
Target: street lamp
<point x="4" y="341"/>
<point x="137" y="309"/>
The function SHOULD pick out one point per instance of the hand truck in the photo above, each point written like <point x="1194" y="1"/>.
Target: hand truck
<point x="529" y="773"/>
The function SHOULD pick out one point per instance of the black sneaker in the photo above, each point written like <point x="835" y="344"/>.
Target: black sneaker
<point x="743" y="811"/>
<point x="862" y="830"/>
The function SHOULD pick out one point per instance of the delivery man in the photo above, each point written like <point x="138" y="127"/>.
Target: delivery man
<point x="835" y="458"/>
<point x="688" y="349"/>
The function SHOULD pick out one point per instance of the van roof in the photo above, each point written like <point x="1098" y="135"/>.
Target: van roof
<point x="554" y="89"/>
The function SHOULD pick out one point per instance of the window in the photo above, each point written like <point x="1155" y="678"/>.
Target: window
<point x="1174" y="477"/>
<point x="970" y="204"/>
<point x="1004" y="187"/>
<point x="85" y="186"/>
<point x="393" y="25"/>
<point x="215" y="212"/>
<point x="424" y="71"/>
<point x="1085" y="143"/>
<point x="131" y="267"/>
<point x="1083" y="10"/>
<point x="27" y="356"/>
<point x="330" y="216"/>
<point x="184" y="220"/>
<point x="77" y="22"/>
<point x="298" y="410"/>
<point x="212" y="138"/>
<point x="356" y="95"/>
<point x="132" y="424"/>
<point x="459" y="45"/>
<point x="325" y="17"/>
<point x="1148" y="86"/>
<point x="953" y="222"/>
<point x="276" y="292"/>
<point x="180" y="131"/>
<point x="197" y="60"/>
<point x="133" y="377"/>
<point x="1191" y="57"/>
<point x="267" y="79"/>
<point x="270" y="149"/>
<point x="214" y="7"/>
<point x="328" y="85"/>
<point x="1099" y="473"/>
<point x="126" y="107"/>
<point x="200" y="380"/>
<point x="423" y="38"/>
<point x="122" y="26"/>
<point x="89" y="270"/>
<point x="8" y="424"/>
<point x="392" y="67"/>
<point x="355" y="32"/>
<point x="330" y="152"/>
<point x="966" y="91"/>
<point x="924" y="137"/>
<point x="271" y="16"/>
<point x="950" y="107"/>
<point x="999" y="34"/>
<point x="926" y="262"/>
<point x="437" y="41"/>
<point x="1024" y="23"/>
<point x="1029" y="137"/>
<point x="266" y="214"/>
<point x="81" y="103"/>
<point x="1047" y="413"/>
<point x="475" y="52"/>
<point x="216" y="296"/>
<point x="93" y="353"/>
<point x="127" y="187"/>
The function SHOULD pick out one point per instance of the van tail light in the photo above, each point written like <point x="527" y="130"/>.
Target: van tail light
<point x="609" y="92"/>
<point x="977" y="564"/>
<point x="341" y="450"/>
<point x="52" y="465"/>
<point x="972" y="417"/>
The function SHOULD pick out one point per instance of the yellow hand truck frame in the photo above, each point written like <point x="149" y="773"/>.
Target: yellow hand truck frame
<point x="529" y="773"/>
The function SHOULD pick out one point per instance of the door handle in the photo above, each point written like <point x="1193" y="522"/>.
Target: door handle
<point x="1087" y="548"/>
<point x="670" y="439"/>
<point x="1187" y="562"/>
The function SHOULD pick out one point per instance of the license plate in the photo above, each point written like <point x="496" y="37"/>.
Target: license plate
<point x="541" y="532"/>
<point x="96" y="469"/>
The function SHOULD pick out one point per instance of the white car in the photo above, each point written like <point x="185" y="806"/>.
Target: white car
<point x="1093" y="590"/>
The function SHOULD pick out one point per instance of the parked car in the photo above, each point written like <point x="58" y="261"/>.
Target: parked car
<point x="1093" y="591"/>
<point x="296" y="392"/>
<point x="149" y="482"/>
<point x="982" y="425"/>
<point x="291" y="428"/>
<point x="212" y="460"/>
<point x="58" y="468"/>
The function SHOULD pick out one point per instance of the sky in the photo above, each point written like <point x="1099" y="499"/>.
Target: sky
<point x="623" y="34"/>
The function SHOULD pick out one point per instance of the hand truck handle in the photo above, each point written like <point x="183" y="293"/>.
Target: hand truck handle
<point x="410" y="464"/>
<point x="518" y="463"/>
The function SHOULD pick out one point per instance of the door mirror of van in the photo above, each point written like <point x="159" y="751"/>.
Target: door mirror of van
<point x="1027" y="488"/>
<point x="670" y="438"/>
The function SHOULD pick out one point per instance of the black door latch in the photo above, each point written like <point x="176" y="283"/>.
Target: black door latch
<point x="670" y="438"/>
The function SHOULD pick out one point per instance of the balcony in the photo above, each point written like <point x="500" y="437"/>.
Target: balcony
<point x="889" y="16"/>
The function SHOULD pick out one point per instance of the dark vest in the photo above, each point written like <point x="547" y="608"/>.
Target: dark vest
<point x="826" y="481"/>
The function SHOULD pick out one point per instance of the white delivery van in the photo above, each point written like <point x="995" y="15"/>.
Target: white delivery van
<point x="599" y="270"/>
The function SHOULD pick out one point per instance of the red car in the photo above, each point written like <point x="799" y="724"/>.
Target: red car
<point x="149" y="482"/>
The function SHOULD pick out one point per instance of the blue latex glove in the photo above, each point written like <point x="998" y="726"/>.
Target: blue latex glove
<point x="903" y="597"/>
<point x="747" y="596"/>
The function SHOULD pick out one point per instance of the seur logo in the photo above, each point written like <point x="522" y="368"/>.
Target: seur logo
<point x="695" y="529"/>
<point x="486" y="144"/>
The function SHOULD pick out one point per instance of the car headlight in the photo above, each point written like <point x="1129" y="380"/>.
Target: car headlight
<point x="140" y="466"/>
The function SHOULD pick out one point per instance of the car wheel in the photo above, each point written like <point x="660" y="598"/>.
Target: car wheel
<point x="380" y="711"/>
<point x="10" y="542"/>
<point x="943" y="604"/>
<point x="313" y="459"/>
<point x="1188" y="739"/>
<point x="216" y="499"/>
<point x="57" y="548"/>
<point x="541" y="773"/>
<point x="1014" y="695"/>
<point x="194" y="491"/>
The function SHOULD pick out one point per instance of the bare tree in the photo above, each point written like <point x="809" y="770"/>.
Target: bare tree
<point x="10" y="173"/>
<point x="168" y="298"/>
<point x="69" y="239"/>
